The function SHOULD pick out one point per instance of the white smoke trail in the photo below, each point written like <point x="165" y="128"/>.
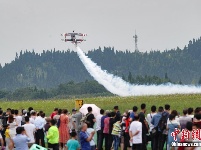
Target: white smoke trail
<point x="119" y="87"/>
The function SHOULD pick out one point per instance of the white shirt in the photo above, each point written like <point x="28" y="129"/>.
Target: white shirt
<point x="12" y="129"/>
<point x="70" y="124"/>
<point x="30" y="129"/>
<point x="134" y="127"/>
<point x="31" y="120"/>
<point x="173" y="122"/>
<point x="39" y="122"/>
<point x="192" y="116"/>
<point x="123" y="121"/>
<point x="18" y="120"/>
<point x="89" y="130"/>
<point x="98" y="122"/>
<point x="149" y="118"/>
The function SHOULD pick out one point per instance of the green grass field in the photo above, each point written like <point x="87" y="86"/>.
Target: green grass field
<point x="178" y="102"/>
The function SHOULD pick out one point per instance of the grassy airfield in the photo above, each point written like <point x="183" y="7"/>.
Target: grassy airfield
<point x="178" y="102"/>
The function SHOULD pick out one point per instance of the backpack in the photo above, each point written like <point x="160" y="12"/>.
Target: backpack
<point x="163" y="121"/>
<point x="84" y="119"/>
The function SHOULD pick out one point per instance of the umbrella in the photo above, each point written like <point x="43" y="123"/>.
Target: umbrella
<point x="95" y="109"/>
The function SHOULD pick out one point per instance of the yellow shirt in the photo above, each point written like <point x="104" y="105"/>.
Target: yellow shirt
<point x="7" y="133"/>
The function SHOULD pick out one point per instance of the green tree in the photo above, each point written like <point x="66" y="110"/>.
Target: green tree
<point x="130" y="77"/>
<point x="199" y="82"/>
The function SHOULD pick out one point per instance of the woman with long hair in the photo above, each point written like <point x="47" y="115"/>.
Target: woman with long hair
<point x="171" y="126"/>
<point x="64" y="129"/>
<point x="12" y="126"/>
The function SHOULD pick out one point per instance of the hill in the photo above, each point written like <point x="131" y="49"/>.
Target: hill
<point x="52" y="67"/>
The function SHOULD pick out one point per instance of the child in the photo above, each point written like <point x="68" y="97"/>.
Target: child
<point x="116" y="131"/>
<point x="89" y="131"/>
<point x="7" y="136"/>
<point x="73" y="144"/>
<point x="53" y="136"/>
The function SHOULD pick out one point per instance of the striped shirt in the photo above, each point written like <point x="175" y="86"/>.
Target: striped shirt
<point x="116" y="129"/>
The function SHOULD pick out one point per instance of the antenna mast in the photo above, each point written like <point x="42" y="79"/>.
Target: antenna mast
<point x="135" y="38"/>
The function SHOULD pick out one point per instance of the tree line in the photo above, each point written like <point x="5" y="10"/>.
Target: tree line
<point x="81" y="89"/>
<point x="54" y="67"/>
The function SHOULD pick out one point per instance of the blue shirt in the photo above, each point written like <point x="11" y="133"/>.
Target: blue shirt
<point x="132" y="115"/>
<point x="102" y="121"/>
<point x="20" y="142"/>
<point x="155" y="120"/>
<point x="85" y="145"/>
<point x="73" y="144"/>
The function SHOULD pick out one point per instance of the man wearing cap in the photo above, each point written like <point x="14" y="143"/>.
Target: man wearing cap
<point x="77" y="116"/>
<point x="74" y="111"/>
<point x="24" y="114"/>
<point x="72" y="120"/>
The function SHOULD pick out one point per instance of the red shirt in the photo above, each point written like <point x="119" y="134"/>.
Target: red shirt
<point x="127" y="122"/>
<point x="52" y="115"/>
<point x="106" y="125"/>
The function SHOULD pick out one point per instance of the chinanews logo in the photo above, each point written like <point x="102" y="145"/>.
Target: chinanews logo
<point x="185" y="144"/>
<point x="186" y="135"/>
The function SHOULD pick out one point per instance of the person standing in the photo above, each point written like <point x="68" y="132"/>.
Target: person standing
<point x="184" y="119"/>
<point x="102" y="137"/>
<point x="144" y="126"/>
<point x="106" y="131"/>
<point x="18" y="118"/>
<point x="20" y="140"/>
<point x="84" y="138"/>
<point x="2" y="124"/>
<point x="78" y="117"/>
<point x="171" y="126"/>
<point x="98" y="127"/>
<point x="157" y="138"/>
<point x="126" y="132"/>
<point x="89" y="131"/>
<point x="116" y="131"/>
<point x="30" y="130"/>
<point x="111" y="123"/>
<point x="72" y="120"/>
<point x="64" y="129"/>
<point x="190" y="113"/>
<point x="73" y="144"/>
<point x="165" y="114"/>
<point x="39" y="134"/>
<point x="32" y="117"/>
<point x="57" y="116"/>
<point x="118" y="114"/>
<point x="55" y="112"/>
<point x="132" y="114"/>
<point x="90" y="117"/>
<point x="12" y="126"/>
<point x="53" y="136"/>
<point x="7" y="136"/>
<point x="151" y="126"/>
<point x="135" y="133"/>
<point x="24" y="114"/>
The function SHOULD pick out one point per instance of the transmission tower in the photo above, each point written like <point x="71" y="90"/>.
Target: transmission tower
<point x="135" y="38"/>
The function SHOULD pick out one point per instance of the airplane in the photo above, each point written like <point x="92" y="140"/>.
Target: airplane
<point x="73" y="38"/>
